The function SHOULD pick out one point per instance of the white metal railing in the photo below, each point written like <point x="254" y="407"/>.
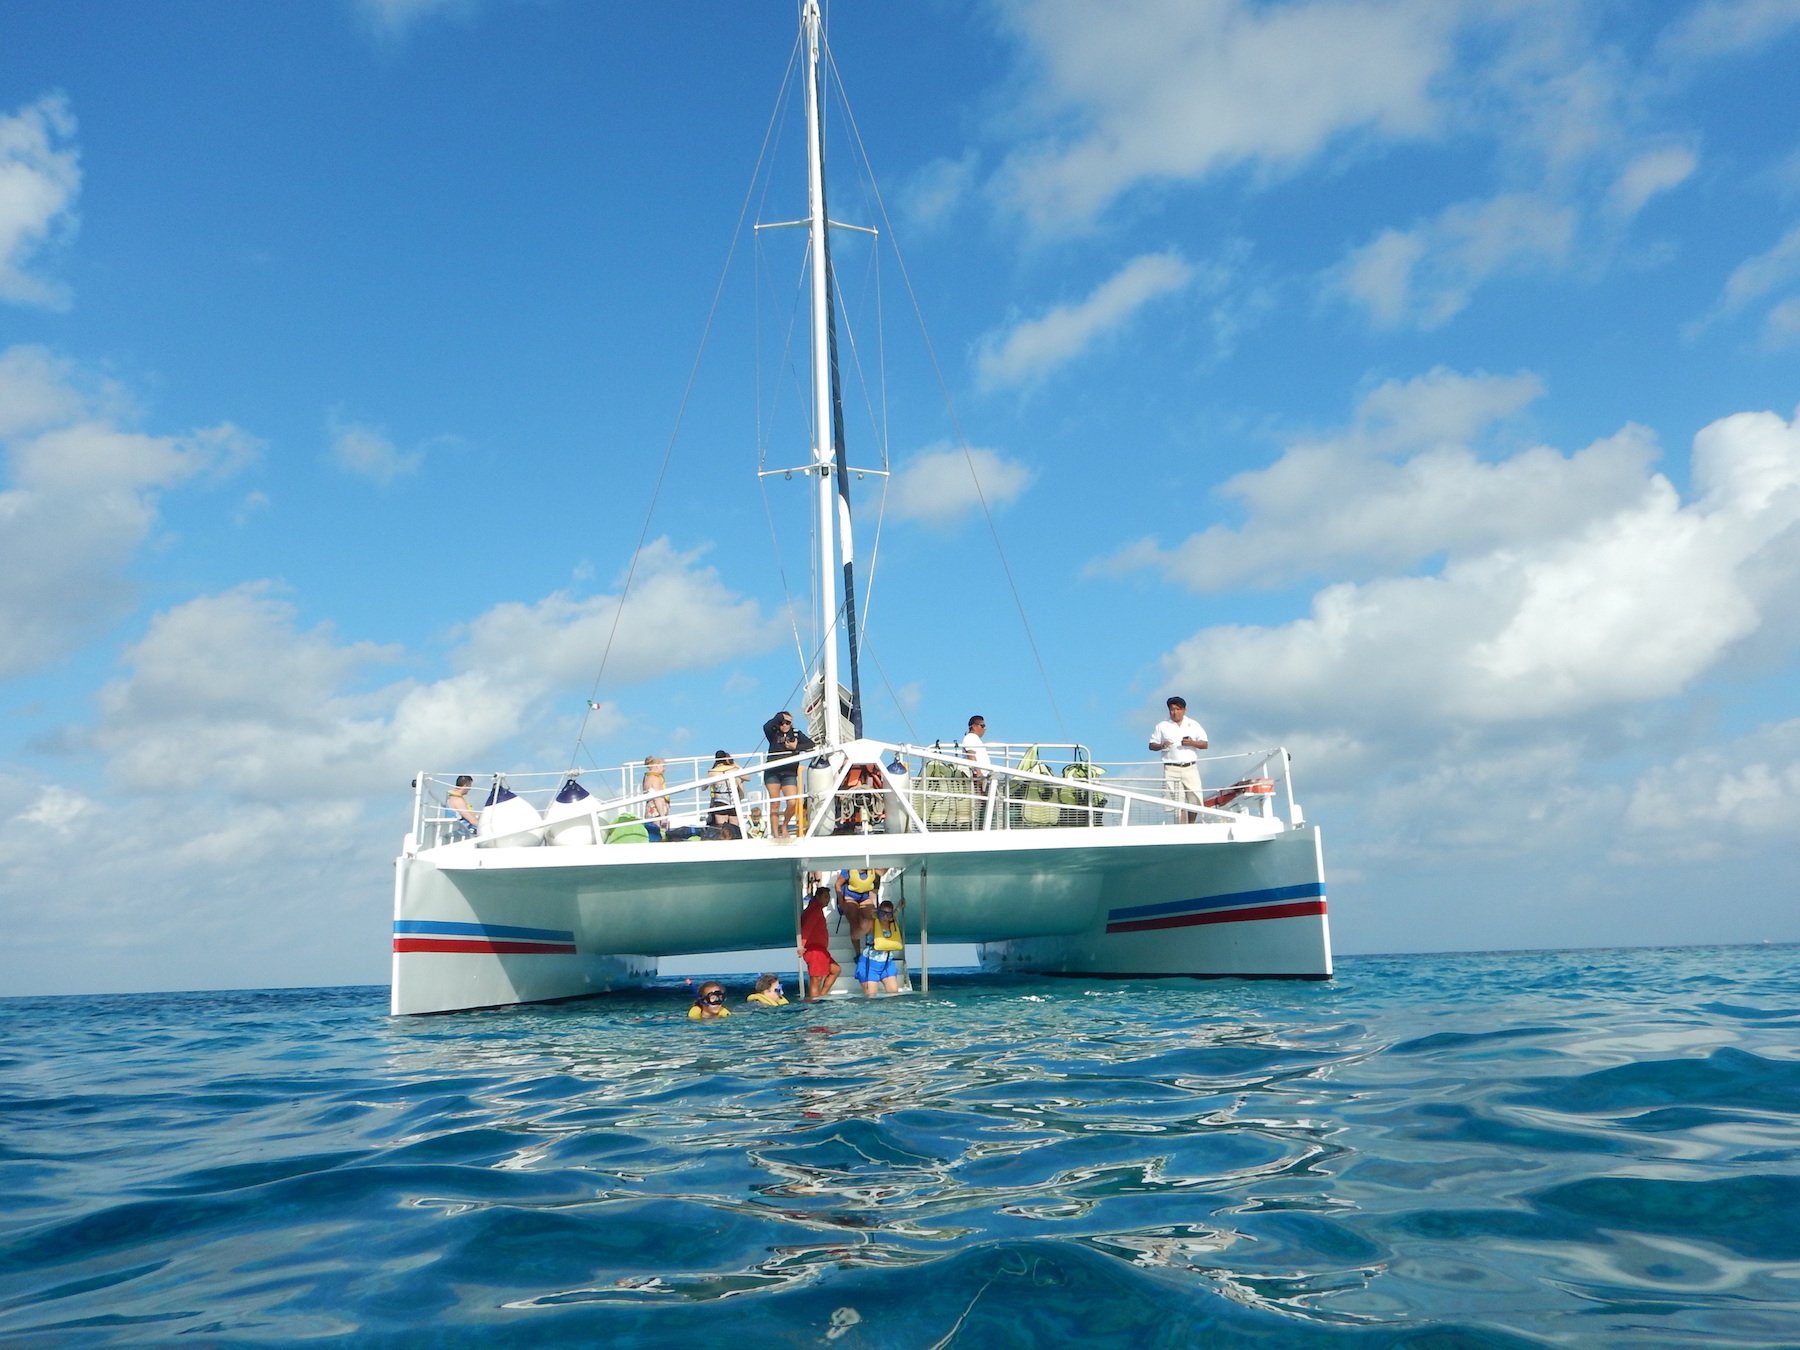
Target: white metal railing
<point x="1030" y="786"/>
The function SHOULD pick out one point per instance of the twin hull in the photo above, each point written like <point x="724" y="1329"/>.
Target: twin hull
<point x="484" y="927"/>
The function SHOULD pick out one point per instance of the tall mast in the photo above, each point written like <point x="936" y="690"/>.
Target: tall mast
<point x="833" y="501"/>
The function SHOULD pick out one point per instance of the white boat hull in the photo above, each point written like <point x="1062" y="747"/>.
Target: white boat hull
<point x="477" y="927"/>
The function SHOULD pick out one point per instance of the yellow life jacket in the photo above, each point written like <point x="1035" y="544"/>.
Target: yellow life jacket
<point x="887" y="937"/>
<point x="861" y="880"/>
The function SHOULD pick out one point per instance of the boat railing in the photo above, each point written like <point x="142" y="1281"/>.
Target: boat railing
<point x="905" y="788"/>
<point x="1027" y="789"/>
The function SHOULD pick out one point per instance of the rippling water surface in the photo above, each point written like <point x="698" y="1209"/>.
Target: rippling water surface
<point x="1568" y="1148"/>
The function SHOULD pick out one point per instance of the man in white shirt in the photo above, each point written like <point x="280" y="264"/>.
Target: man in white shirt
<point x="1181" y="739"/>
<point x="981" y="763"/>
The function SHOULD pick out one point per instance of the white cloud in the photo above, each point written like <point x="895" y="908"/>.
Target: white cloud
<point x="1718" y="28"/>
<point x="1757" y="280"/>
<point x="229" y="694"/>
<point x="1424" y="277"/>
<point x="1413" y="478"/>
<point x="250" y="754"/>
<point x="39" y="390"/>
<point x="224" y="693"/>
<point x="1651" y="174"/>
<point x="59" y="808"/>
<point x="80" y="498"/>
<point x="175" y="892"/>
<point x="1625" y="596"/>
<point x="1716" y="799"/>
<point x="368" y="453"/>
<point x="938" y="189"/>
<point x="1754" y="281"/>
<point x="1756" y="277"/>
<point x="1781" y="325"/>
<point x="943" y="483"/>
<point x="40" y="177"/>
<point x="1178" y="89"/>
<point x="1034" y="347"/>
<point x="680" y="615"/>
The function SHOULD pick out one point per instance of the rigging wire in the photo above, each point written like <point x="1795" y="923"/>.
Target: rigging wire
<point x="962" y="439"/>
<point x="662" y="470"/>
<point x="764" y="436"/>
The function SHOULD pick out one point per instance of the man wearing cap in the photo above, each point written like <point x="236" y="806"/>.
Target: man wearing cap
<point x="1181" y="739"/>
<point x="981" y="763"/>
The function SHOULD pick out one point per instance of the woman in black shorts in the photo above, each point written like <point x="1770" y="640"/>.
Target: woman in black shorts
<point x="783" y="781"/>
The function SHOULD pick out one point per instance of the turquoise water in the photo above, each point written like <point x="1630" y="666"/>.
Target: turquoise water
<point x="1568" y="1148"/>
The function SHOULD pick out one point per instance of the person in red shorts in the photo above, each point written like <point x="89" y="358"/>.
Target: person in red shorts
<point x="815" y="945"/>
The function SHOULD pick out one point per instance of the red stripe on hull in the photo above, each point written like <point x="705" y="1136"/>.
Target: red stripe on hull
<point x="419" y="944"/>
<point x="1290" y="911"/>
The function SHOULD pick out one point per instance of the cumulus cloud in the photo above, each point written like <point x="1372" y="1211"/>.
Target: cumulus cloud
<point x="80" y="498"/>
<point x="680" y="615"/>
<point x="1177" y="89"/>
<point x="40" y="177"/>
<point x="1416" y="474"/>
<point x="173" y="897"/>
<point x="1425" y="276"/>
<point x="944" y="482"/>
<point x="239" y="737"/>
<point x="226" y="692"/>
<point x="1033" y="348"/>
<point x="1628" y="596"/>
<point x="231" y="693"/>
<point x="1717" y="798"/>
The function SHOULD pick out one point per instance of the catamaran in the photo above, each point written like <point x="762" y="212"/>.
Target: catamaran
<point x="570" y="884"/>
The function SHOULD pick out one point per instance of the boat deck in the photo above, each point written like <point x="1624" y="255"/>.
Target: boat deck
<point x="866" y="787"/>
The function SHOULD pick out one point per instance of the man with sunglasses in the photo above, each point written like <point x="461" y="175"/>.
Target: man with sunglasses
<point x="1181" y="739"/>
<point x="783" y="783"/>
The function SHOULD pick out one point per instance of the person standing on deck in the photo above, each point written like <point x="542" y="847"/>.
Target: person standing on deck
<point x="783" y="784"/>
<point x="1181" y="739"/>
<point x="656" y="809"/>
<point x="981" y="763"/>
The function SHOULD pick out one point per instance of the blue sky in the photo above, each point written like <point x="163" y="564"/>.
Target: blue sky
<point x="1409" y="382"/>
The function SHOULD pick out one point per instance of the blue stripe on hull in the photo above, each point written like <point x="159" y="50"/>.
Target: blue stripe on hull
<point x="1308" y="890"/>
<point x="499" y="931"/>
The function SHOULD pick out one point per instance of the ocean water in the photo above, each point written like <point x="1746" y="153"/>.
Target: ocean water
<point x="1548" y="1148"/>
